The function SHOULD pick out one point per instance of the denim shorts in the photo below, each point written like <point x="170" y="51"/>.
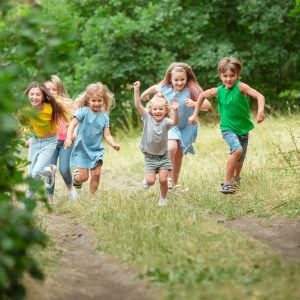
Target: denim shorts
<point x="154" y="163"/>
<point x="236" y="142"/>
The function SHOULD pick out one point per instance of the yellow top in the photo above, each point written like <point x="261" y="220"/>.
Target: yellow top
<point x="41" y="123"/>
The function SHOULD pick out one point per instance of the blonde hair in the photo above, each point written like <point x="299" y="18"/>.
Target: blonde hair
<point x="192" y="83"/>
<point x="96" y="89"/>
<point x="230" y="63"/>
<point x="159" y="99"/>
<point x="59" y="109"/>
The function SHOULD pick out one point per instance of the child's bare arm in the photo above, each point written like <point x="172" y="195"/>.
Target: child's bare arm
<point x="245" y="89"/>
<point x="175" y="106"/>
<point x="69" y="140"/>
<point x="151" y="90"/>
<point x="109" y="139"/>
<point x="191" y="103"/>
<point x="137" y="98"/>
<point x="202" y="97"/>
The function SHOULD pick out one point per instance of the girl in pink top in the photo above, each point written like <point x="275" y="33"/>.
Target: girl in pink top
<point x="57" y="89"/>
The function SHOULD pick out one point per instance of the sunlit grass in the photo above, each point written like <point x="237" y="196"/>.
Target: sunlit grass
<point x="179" y="248"/>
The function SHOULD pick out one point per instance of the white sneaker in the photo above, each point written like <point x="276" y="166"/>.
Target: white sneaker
<point x="73" y="195"/>
<point x="145" y="184"/>
<point x="49" y="182"/>
<point x="162" y="201"/>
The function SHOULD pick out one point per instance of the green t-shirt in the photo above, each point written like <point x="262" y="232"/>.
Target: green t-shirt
<point x="234" y="110"/>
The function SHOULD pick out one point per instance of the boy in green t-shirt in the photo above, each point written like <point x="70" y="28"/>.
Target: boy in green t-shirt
<point x="233" y="106"/>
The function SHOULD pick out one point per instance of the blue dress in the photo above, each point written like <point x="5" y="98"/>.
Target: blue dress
<point x="185" y="133"/>
<point x="87" y="150"/>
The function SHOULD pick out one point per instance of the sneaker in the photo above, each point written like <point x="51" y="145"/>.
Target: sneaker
<point x="227" y="189"/>
<point x="170" y="183"/>
<point x="145" y="184"/>
<point x="77" y="184"/>
<point x="50" y="179"/>
<point x="162" y="201"/>
<point x="73" y="195"/>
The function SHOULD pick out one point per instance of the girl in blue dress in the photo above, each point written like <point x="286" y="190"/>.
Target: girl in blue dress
<point x="179" y="83"/>
<point x="92" y="121"/>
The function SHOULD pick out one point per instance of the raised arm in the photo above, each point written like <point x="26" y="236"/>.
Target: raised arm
<point x="137" y="98"/>
<point x="175" y="106"/>
<point x="202" y="97"/>
<point x="245" y="89"/>
<point x="71" y="128"/>
<point x="151" y="90"/>
<point x="109" y="139"/>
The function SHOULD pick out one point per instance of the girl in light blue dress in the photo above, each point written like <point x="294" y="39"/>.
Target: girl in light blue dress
<point x="92" y="121"/>
<point x="179" y="83"/>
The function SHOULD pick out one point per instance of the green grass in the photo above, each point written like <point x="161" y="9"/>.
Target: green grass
<point x="180" y="248"/>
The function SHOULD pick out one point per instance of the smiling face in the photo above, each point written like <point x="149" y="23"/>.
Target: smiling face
<point x="36" y="97"/>
<point x="178" y="80"/>
<point x="96" y="103"/>
<point x="51" y="86"/>
<point x="229" y="78"/>
<point x="158" y="111"/>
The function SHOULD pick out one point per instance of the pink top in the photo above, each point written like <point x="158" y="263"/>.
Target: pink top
<point x="62" y="130"/>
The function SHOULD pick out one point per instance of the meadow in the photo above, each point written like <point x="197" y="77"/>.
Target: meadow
<point x="181" y="249"/>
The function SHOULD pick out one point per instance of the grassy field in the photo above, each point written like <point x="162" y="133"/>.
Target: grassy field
<point x="179" y="248"/>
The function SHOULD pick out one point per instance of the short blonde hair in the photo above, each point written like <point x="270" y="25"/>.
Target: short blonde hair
<point x="230" y="63"/>
<point x="159" y="99"/>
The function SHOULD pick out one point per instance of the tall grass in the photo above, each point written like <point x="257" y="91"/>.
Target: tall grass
<point x="180" y="248"/>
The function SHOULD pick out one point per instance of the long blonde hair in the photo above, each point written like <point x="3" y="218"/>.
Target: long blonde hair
<point x="96" y="89"/>
<point x="192" y="83"/>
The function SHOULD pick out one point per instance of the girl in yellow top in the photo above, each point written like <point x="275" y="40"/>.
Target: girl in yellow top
<point x="43" y="117"/>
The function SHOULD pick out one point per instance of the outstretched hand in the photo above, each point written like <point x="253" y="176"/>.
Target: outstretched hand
<point x="116" y="147"/>
<point x="175" y="104"/>
<point x="137" y="85"/>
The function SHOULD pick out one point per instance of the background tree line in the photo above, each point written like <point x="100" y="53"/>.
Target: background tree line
<point x="118" y="42"/>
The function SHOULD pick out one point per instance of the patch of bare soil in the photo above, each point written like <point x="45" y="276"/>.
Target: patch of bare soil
<point x="81" y="273"/>
<point x="279" y="233"/>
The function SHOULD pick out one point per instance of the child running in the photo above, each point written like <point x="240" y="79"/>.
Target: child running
<point x="57" y="89"/>
<point x="43" y="116"/>
<point x="179" y="83"/>
<point x="233" y="106"/>
<point x="154" y="142"/>
<point x="93" y="123"/>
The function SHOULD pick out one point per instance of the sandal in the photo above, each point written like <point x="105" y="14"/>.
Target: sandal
<point x="77" y="184"/>
<point x="227" y="189"/>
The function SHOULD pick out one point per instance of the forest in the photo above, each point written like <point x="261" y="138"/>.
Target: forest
<point x="118" y="42"/>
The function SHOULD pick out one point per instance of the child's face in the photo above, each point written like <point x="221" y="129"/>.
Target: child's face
<point x="51" y="86"/>
<point x="35" y="95"/>
<point x="178" y="80"/>
<point x="158" y="111"/>
<point x="229" y="78"/>
<point x="96" y="103"/>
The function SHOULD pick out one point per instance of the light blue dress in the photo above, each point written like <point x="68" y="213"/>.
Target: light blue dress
<point x="185" y="133"/>
<point x="87" y="150"/>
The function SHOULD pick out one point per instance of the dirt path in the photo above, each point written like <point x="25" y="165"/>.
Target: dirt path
<point x="279" y="233"/>
<point x="81" y="273"/>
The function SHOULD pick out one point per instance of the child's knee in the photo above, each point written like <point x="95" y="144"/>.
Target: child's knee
<point x="238" y="152"/>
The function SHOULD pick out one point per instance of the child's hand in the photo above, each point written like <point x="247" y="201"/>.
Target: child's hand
<point x="27" y="143"/>
<point x="136" y="86"/>
<point x="116" y="147"/>
<point x="193" y="120"/>
<point x="67" y="143"/>
<point x="189" y="102"/>
<point x="260" y="117"/>
<point x="175" y="104"/>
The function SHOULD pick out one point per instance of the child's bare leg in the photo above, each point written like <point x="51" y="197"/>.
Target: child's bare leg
<point x="237" y="170"/>
<point x="176" y="159"/>
<point x="82" y="175"/>
<point x="163" y="180"/>
<point x="95" y="178"/>
<point x="150" y="178"/>
<point x="231" y="165"/>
